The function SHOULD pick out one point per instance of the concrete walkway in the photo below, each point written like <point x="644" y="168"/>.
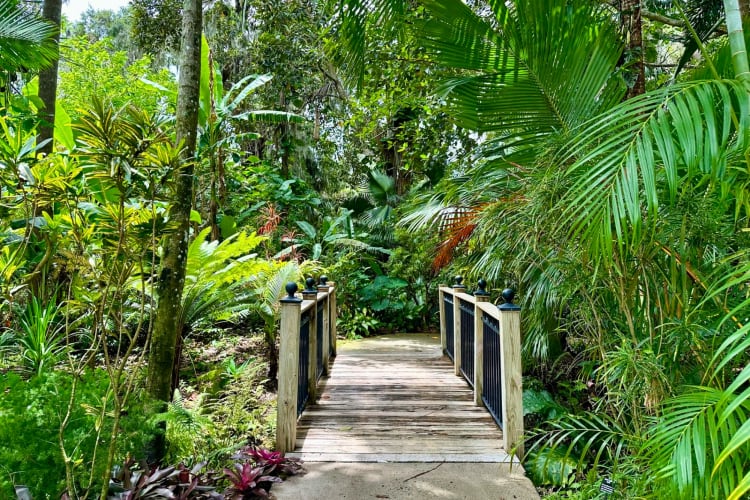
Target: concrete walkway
<point x="407" y="481"/>
<point x="393" y="421"/>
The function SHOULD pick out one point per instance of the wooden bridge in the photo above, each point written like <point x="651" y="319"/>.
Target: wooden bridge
<point x="402" y="416"/>
<point x="398" y="398"/>
<point x="395" y="399"/>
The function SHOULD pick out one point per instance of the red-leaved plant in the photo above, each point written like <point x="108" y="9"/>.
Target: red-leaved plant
<point x="272" y="461"/>
<point x="248" y="481"/>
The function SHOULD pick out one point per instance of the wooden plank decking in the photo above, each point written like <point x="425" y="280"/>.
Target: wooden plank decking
<point x="395" y="398"/>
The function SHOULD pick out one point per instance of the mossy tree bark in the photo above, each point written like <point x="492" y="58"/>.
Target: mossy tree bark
<point x="166" y="336"/>
<point x="52" y="11"/>
<point x="632" y="27"/>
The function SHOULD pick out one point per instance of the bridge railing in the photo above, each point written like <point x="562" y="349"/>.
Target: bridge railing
<point x="307" y="343"/>
<point x="484" y="343"/>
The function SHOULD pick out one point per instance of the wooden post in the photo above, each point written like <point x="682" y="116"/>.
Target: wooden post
<point x="323" y="287"/>
<point x="510" y="346"/>
<point x="286" y="412"/>
<point x="311" y="293"/>
<point x="457" y="288"/>
<point x="480" y="295"/>
<point x="441" y="306"/>
<point x="333" y="317"/>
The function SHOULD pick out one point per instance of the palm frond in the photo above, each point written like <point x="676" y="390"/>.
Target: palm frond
<point x="534" y="67"/>
<point x="26" y="41"/>
<point x="353" y="22"/>
<point x="621" y="158"/>
<point x="701" y="442"/>
<point x="587" y="439"/>
<point x="688" y="441"/>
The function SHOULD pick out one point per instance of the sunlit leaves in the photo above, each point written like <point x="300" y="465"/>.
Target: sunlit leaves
<point x="632" y="159"/>
<point x="26" y="41"/>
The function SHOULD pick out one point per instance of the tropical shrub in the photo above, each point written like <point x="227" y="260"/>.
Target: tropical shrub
<point x="54" y="424"/>
<point x="40" y="336"/>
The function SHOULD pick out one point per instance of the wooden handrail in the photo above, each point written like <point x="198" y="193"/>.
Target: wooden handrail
<point x="509" y="327"/>
<point x="293" y="307"/>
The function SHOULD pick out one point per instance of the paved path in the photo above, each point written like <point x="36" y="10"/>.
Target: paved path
<point x="393" y="421"/>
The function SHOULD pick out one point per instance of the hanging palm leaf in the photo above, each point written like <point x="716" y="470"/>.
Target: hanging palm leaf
<point x="26" y="41"/>
<point x="633" y="158"/>
<point x="532" y="68"/>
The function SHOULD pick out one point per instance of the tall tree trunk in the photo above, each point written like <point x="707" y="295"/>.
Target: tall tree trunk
<point x="52" y="11"/>
<point x="172" y="275"/>
<point x="284" y="139"/>
<point x="632" y="28"/>
<point x="737" y="41"/>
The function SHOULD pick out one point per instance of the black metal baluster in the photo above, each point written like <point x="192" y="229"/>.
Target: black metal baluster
<point x="319" y="335"/>
<point x="467" y="340"/>
<point x="449" y="324"/>
<point x="492" y="360"/>
<point x="304" y="362"/>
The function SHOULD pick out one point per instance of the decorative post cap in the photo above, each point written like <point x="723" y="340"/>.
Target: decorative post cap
<point x="459" y="279"/>
<point x="508" y="295"/>
<point x="291" y="289"/>
<point x="323" y="280"/>
<point x="481" y="288"/>
<point x="310" y="286"/>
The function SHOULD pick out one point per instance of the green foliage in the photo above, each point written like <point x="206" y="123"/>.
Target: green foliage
<point x="642" y="165"/>
<point x="26" y="41"/>
<point x="541" y="404"/>
<point x="41" y="336"/>
<point x="154" y="26"/>
<point x="186" y="428"/>
<point x="219" y="279"/>
<point x="97" y="25"/>
<point x="551" y="466"/>
<point x="99" y="70"/>
<point x="31" y="415"/>
<point x="243" y="411"/>
<point x="358" y="323"/>
<point x="334" y="233"/>
<point x="699" y="446"/>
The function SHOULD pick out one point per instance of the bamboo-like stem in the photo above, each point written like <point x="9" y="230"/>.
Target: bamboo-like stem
<point x="737" y="42"/>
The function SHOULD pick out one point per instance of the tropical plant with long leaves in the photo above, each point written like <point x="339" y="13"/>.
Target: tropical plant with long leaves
<point x="26" y="41"/>
<point x="614" y="218"/>
<point x="700" y="446"/>
<point x="338" y="231"/>
<point x="216" y="276"/>
<point x="41" y="336"/>
<point x="220" y="123"/>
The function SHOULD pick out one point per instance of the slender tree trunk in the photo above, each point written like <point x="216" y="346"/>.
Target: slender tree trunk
<point x="737" y="41"/>
<point x="172" y="275"/>
<point x="632" y="28"/>
<point x="284" y="139"/>
<point x="52" y="11"/>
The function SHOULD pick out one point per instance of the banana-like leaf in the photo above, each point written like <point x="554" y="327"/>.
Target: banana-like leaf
<point x="270" y="116"/>
<point x="256" y="81"/>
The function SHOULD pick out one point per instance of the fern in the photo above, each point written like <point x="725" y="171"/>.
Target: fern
<point x="186" y="428"/>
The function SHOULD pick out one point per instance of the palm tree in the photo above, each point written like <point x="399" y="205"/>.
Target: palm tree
<point x="614" y="219"/>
